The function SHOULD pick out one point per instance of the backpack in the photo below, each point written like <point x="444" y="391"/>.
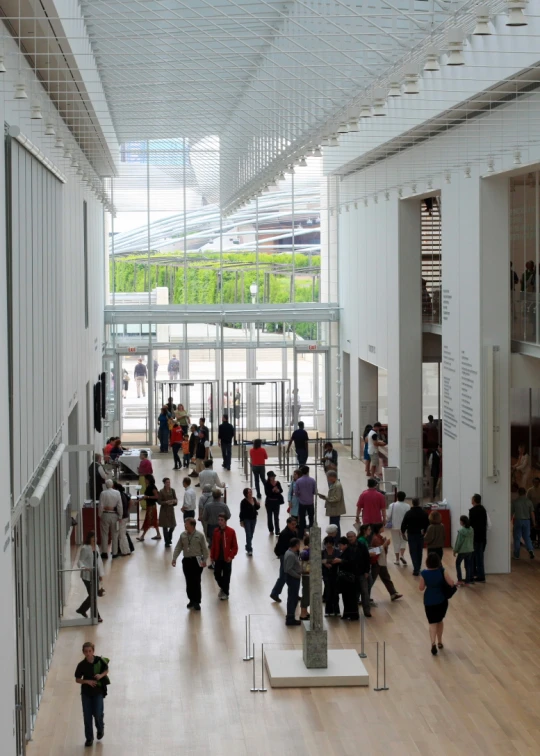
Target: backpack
<point x="97" y="671"/>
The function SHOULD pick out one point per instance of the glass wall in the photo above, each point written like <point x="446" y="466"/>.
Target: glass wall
<point x="524" y="242"/>
<point x="431" y="259"/>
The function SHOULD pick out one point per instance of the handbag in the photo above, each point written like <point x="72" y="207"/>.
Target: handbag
<point x="390" y="515"/>
<point x="447" y="590"/>
<point x="346" y="577"/>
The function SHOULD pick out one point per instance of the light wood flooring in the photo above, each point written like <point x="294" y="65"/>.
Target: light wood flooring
<point x="179" y="685"/>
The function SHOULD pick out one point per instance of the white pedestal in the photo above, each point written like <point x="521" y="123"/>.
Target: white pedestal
<point x="286" y="669"/>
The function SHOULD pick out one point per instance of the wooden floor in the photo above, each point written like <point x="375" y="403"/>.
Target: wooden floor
<point x="179" y="685"/>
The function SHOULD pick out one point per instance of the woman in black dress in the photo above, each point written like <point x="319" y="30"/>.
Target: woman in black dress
<point x="151" y="495"/>
<point x="348" y="580"/>
<point x="435" y="602"/>
<point x="274" y="499"/>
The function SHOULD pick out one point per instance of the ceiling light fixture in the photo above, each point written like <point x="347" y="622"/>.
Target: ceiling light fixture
<point x="302" y="163"/>
<point x="379" y="102"/>
<point x="395" y="89"/>
<point x="317" y="152"/>
<point x="49" y="129"/>
<point x="467" y="171"/>
<point x="35" y="113"/>
<point x="515" y="13"/>
<point x="2" y="66"/>
<point x="353" y="125"/>
<point x="482" y="22"/>
<point x="59" y="144"/>
<point x="343" y="128"/>
<point x="365" y="110"/>
<point x="20" y="92"/>
<point x="455" y="48"/>
<point x="325" y="141"/>
<point x="491" y="165"/>
<point x="432" y="60"/>
<point x="411" y="81"/>
<point x="517" y="157"/>
<point x="334" y="141"/>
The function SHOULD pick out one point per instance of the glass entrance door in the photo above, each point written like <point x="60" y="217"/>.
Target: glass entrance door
<point x="135" y="379"/>
<point x="198" y="398"/>
<point x="258" y="409"/>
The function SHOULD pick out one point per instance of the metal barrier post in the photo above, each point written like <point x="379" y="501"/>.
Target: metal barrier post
<point x="262" y="689"/>
<point x="254" y="689"/>
<point x="384" y="687"/>
<point x="247" y="657"/>
<point x="279" y="451"/>
<point x="352" y="444"/>
<point x="362" y="653"/>
<point x="377" y="688"/>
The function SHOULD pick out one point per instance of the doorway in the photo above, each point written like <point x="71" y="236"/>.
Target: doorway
<point x="258" y="409"/>
<point x="199" y="398"/>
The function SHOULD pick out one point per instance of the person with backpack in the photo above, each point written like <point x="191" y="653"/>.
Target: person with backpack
<point x="464" y="550"/>
<point x="92" y="675"/>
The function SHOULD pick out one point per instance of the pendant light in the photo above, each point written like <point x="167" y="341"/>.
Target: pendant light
<point x="515" y="13"/>
<point x="365" y="110"/>
<point x="379" y="102"/>
<point x="432" y="60"/>
<point x="35" y="113"/>
<point x="353" y="125"/>
<point x="411" y="80"/>
<point x="455" y="48"/>
<point x="395" y="89"/>
<point x="59" y="144"/>
<point x="482" y="22"/>
<point x="20" y="91"/>
<point x="49" y="129"/>
<point x="2" y="66"/>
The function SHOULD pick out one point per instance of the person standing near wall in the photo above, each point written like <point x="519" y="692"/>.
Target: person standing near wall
<point x="414" y="525"/>
<point x="464" y="550"/>
<point x="292" y="570"/>
<point x="396" y="512"/>
<point x="123" y="541"/>
<point x="522" y="511"/>
<point x="140" y="374"/>
<point x="225" y="440"/>
<point x="96" y="477"/>
<point x="478" y="518"/>
<point x="91" y="675"/>
<point x="300" y="439"/>
<point x="110" y="512"/>
<point x="167" y="519"/>
<point x="436" y="471"/>
<point x="334" y="501"/>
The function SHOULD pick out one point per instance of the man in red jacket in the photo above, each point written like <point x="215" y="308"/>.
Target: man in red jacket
<point x="223" y="550"/>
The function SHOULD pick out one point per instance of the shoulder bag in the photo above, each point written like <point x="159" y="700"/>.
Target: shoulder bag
<point x="447" y="590"/>
<point x="389" y="517"/>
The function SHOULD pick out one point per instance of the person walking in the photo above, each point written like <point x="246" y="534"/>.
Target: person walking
<point x="156" y="368"/>
<point x="394" y="517"/>
<point x="209" y="476"/>
<point x="379" y="567"/>
<point x="110" y="512"/>
<point x="249" y="507"/>
<point x="91" y="675"/>
<point x="90" y="559"/>
<point x="414" y="525"/>
<point x="348" y="579"/>
<point x="435" y="534"/>
<point x="167" y="520"/>
<point x="173" y="368"/>
<point x="300" y="439"/>
<point x="125" y="383"/>
<point x="177" y="438"/>
<point x="202" y="452"/>
<point x="464" y="550"/>
<point x="193" y="442"/>
<point x="211" y="512"/>
<point x="292" y="498"/>
<point x="329" y="460"/>
<point x="435" y="601"/>
<point x="280" y="548"/>
<point x="478" y="517"/>
<point x="365" y="454"/>
<point x="192" y="544"/>
<point x="151" y="496"/>
<point x="436" y="471"/>
<point x="371" y="505"/>
<point x="225" y="440"/>
<point x="140" y="374"/>
<point x="163" y="430"/>
<point x="96" y="477"/>
<point x="334" y="500"/>
<point x="304" y="564"/>
<point x="273" y="501"/>
<point x="522" y="511"/>
<point x="306" y="490"/>
<point x="258" y="457"/>
<point x="292" y="571"/>
<point x="330" y="573"/>
<point x="124" y="542"/>
<point x="205" y="497"/>
<point x="190" y="498"/>
<point x="224" y="549"/>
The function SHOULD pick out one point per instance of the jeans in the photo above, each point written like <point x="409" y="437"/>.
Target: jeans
<point x="192" y="573"/>
<point x="187" y="460"/>
<point x="167" y="535"/>
<point x="335" y="520"/>
<point x="331" y="590"/>
<point x="92" y="707"/>
<point x="301" y="456"/>
<point x="305" y="510"/>
<point x="175" y="449"/>
<point x="293" y="589"/>
<point x="259" y="476"/>
<point x="87" y="603"/>
<point x="381" y="570"/>
<point x="478" y="557"/>
<point x="468" y="559"/>
<point x="280" y="582"/>
<point x="222" y="574"/>
<point x="416" y="544"/>
<point x="436" y="550"/>
<point x="364" y="588"/>
<point x="522" y="529"/>
<point x="249" y="527"/>
<point x="226" y="451"/>
<point x="188" y="513"/>
<point x="272" y="514"/>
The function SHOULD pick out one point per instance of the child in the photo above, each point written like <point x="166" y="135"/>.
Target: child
<point x="186" y="452"/>
<point x="463" y="549"/>
<point x="293" y="499"/>
<point x="435" y="535"/>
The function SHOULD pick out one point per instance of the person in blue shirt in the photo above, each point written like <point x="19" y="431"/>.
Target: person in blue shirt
<point x="435" y="602"/>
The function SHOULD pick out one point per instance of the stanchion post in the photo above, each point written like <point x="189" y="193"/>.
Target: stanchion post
<point x="377" y="688"/>
<point x="254" y="689"/>
<point x="247" y="657"/>
<point x="262" y="689"/>
<point x="384" y="687"/>
<point x="362" y="653"/>
<point x="352" y="445"/>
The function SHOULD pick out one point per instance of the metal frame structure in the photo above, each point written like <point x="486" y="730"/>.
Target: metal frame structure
<point x="210" y="400"/>
<point x="249" y="406"/>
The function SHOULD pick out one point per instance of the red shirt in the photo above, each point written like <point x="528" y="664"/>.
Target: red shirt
<point x="145" y="467"/>
<point x="258" y="456"/>
<point x="230" y="544"/>
<point x="177" y="435"/>
<point x="372" y="505"/>
<point x="107" y="450"/>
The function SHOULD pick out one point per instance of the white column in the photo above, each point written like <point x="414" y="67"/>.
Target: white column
<point x="476" y="318"/>
<point x="405" y="346"/>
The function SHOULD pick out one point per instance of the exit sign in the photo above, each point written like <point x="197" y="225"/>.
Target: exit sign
<point x="132" y="349"/>
<point x="312" y="347"/>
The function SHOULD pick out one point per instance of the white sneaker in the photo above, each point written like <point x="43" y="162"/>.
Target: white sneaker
<point x="220" y="594"/>
<point x="224" y="597"/>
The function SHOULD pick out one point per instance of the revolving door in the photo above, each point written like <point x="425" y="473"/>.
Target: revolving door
<point x="199" y="399"/>
<point x="258" y="408"/>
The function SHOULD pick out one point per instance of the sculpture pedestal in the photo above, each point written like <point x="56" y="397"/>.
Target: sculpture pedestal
<point x="315" y="647"/>
<point x="286" y="669"/>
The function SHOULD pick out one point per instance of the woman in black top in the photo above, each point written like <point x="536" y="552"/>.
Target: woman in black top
<point x="151" y="495"/>
<point x="330" y="575"/>
<point x="248" y="517"/>
<point x="348" y="580"/>
<point x="274" y="499"/>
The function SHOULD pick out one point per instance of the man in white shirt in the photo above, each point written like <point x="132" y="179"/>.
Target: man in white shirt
<point x="374" y="441"/>
<point x="190" y="499"/>
<point x="110" y="511"/>
<point x="209" y="476"/>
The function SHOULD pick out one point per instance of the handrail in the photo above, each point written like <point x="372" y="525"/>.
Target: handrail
<point x="45" y="479"/>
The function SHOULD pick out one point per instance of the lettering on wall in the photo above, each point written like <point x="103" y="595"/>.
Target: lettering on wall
<point x="468" y="386"/>
<point x="449" y="409"/>
<point x="446" y="303"/>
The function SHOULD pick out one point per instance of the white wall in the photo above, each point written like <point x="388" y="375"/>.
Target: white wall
<point x="82" y="349"/>
<point x="475" y="282"/>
